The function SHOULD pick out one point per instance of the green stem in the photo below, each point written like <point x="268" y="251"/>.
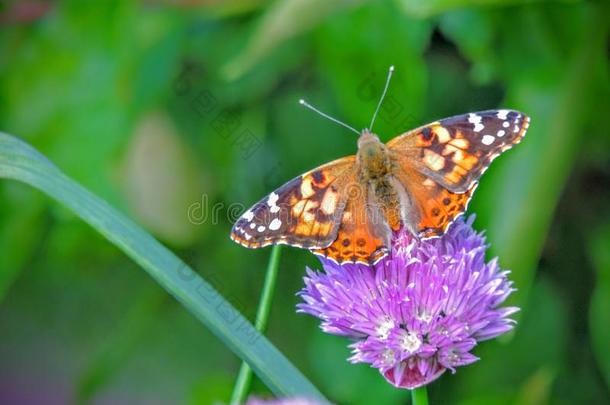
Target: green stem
<point x="242" y="384"/>
<point x="419" y="396"/>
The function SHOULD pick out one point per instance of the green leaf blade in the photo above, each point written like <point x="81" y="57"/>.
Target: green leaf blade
<point x="21" y="162"/>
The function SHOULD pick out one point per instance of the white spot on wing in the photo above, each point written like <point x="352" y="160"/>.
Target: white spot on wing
<point x="488" y="139"/>
<point x="502" y="114"/>
<point x="501" y="133"/>
<point x="252" y="225"/>
<point x="271" y="202"/>
<point x="249" y="216"/>
<point x="261" y="228"/>
<point x="273" y="197"/>
<point x="275" y="224"/>
<point x="476" y="120"/>
<point x="505" y="124"/>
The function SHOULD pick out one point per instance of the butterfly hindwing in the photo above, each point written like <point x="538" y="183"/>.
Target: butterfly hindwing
<point x="434" y="207"/>
<point x="455" y="151"/>
<point x="304" y="212"/>
<point x="363" y="234"/>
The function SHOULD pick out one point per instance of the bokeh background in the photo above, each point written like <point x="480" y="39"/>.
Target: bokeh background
<point x="180" y="113"/>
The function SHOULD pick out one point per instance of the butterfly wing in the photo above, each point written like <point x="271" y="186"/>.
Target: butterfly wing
<point x="433" y="207"/>
<point x="440" y="164"/>
<point x="454" y="152"/>
<point x="363" y="235"/>
<point x="305" y="212"/>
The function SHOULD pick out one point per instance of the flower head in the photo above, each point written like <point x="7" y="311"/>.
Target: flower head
<point x="417" y="312"/>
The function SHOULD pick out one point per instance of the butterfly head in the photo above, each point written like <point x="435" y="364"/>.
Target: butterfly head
<point x="367" y="136"/>
<point x="372" y="154"/>
<point x="368" y="140"/>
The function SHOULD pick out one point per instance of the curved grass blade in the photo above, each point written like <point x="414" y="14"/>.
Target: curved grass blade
<point x="21" y="162"/>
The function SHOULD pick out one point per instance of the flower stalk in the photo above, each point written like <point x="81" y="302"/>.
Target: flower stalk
<point x="419" y="396"/>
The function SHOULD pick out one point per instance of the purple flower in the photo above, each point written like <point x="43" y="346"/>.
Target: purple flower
<point x="417" y="312"/>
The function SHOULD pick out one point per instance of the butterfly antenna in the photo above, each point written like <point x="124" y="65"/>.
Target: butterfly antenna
<point x="306" y="104"/>
<point x="385" y="90"/>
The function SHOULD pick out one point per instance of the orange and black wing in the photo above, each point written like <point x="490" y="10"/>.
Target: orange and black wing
<point x="305" y="212"/>
<point x="433" y="207"/>
<point x="456" y="151"/>
<point x="364" y="236"/>
<point x="440" y="164"/>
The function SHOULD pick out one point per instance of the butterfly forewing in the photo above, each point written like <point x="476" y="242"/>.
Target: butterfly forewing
<point x="305" y="212"/>
<point x="455" y="152"/>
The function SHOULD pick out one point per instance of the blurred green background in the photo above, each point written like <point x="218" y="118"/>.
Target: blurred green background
<point x="180" y="113"/>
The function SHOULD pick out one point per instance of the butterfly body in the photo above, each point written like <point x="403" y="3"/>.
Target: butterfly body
<point x="372" y="158"/>
<point x="376" y="168"/>
<point x="422" y="180"/>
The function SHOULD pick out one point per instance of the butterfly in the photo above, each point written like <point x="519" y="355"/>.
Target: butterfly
<point x="349" y="209"/>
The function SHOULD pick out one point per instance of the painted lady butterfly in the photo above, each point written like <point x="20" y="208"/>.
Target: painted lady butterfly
<point x="347" y="210"/>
